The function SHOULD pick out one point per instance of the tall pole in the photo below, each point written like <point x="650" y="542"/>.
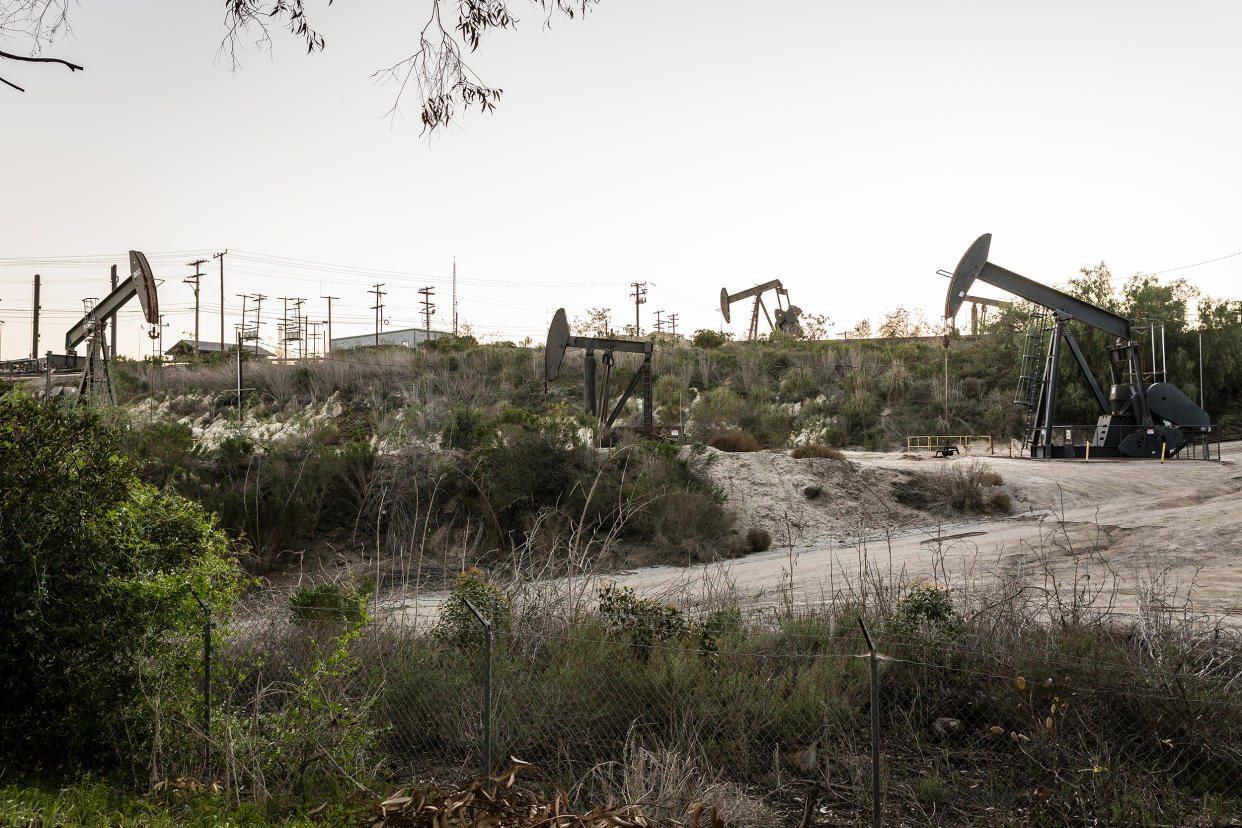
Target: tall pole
<point x="1201" y="369"/>
<point x="34" y="339"/>
<point x="329" y="298"/>
<point x="640" y="297"/>
<point x="454" y="296"/>
<point x="378" y="307"/>
<point x="112" y="319"/>
<point x="221" y="256"/>
<point x="659" y="324"/>
<point x="194" y="280"/>
<point x="258" y="307"/>
<point x="428" y="308"/>
<point x="672" y="323"/>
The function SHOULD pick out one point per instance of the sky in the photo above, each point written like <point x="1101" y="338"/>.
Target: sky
<point x="848" y="149"/>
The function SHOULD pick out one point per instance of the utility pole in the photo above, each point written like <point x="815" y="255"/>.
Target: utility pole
<point x="672" y="323"/>
<point x="198" y="275"/>
<point x="640" y="298"/>
<point x="284" y="328"/>
<point x="659" y="325"/>
<point x="34" y="340"/>
<point x="299" y="322"/>
<point x="112" y="320"/>
<point x="429" y="308"/>
<point x="221" y="256"/>
<point x="454" y="296"/>
<point x="258" y="306"/>
<point x="378" y="307"/>
<point x="329" y="298"/>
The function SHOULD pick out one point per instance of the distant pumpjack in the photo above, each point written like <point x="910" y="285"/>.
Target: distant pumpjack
<point x="596" y="394"/>
<point x="786" y="317"/>
<point x="97" y="376"/>
<point x="1135" y="420"/>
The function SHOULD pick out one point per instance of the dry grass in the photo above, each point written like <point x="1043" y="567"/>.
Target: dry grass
<point x="968" y="488"/>
<point x="735" y="440"/>
<point x="817" y="450"/>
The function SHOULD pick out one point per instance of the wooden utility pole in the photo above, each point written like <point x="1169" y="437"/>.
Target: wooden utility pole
<point x="378" y="307"/>
<point x="640" y="298"/>
<point x="194" y="280"/>
<point x="672" y="323"/>
<point x="221" y="256"/>
<point x="329" y="298"/>
<point x="659" y="325"/>
<point x="34" y="338"/>
<point x="429" y="308"/>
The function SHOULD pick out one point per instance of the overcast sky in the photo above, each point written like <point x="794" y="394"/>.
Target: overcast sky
<point x="848" y="149"/>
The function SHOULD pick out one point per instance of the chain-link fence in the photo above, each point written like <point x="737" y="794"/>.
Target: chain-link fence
<point x="982" y="710"/>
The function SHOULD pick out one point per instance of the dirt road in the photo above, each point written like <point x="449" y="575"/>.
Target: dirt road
<point x="1142" y="526"/>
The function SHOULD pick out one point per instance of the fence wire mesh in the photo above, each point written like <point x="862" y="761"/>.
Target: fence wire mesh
<point x="763" y="712"/>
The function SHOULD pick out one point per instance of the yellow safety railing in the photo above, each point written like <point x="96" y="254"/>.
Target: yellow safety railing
<point x="931" y="443"/>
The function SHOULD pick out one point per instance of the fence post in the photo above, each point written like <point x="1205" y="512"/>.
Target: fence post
<point x="487" y="689"/>
<point x="206" y="686"/>
<point x="875" y="726"/>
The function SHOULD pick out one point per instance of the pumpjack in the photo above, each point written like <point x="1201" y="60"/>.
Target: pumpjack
<point x="1136" y="419"/>
<point x="96" y="382"/>
<point x="786" y="317"/>
<point x="596" y="395"/>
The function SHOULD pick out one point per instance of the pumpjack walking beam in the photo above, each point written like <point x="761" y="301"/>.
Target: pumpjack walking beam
<point x="786" y="317"/>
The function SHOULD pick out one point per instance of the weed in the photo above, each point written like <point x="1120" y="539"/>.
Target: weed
<point x="817" y="450"/>
<point x="735" y="440"/>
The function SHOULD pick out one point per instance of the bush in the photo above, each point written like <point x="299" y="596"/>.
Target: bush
<point x="818" y="450"/>
<point x="735" y="440"/>
<point x="327" y="603"/>
<point x="464" y="428"/>
<point x="457" y="623"/>
<point x="758" y="540"/>
<point x="705" y="338"/>
<point x="94" y="567"/>
<point x="957" y="488"/>
<point x="813" y="492"/>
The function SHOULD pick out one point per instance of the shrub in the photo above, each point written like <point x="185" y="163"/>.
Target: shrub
<point x="94" y="566"/>
<point x="818" y="450"/>
<point x="735" y="440"/>
<point x="457" y="623"/>
<point x="705" y="338"/>
<point x="758" y="540"/>
<point x="813" y="492"/>
<point x="961" y="488"/>
<point x="464" y="428"/>
<point x="327" y="603"/>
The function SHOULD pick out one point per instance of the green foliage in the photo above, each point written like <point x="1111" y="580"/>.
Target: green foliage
<point x="327" y="603"/>
<point x="457" y="623"/>
<point x="926" y="612"/>
<point x="706" y="338"/>
<point x="93" y="572"/>
<point x="464" y="428"/>
<point x="641" y="621"/>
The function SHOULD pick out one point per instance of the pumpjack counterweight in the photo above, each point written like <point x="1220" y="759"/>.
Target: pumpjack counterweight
<point x="1136" y="420"/>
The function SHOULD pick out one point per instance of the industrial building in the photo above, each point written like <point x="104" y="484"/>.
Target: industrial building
<point x="406" y="337"/>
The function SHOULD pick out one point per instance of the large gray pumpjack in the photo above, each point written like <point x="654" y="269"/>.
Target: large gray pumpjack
<point x="1136" y="420"/>
<point x="96" y="380"/>
<point x="596" y="396"/>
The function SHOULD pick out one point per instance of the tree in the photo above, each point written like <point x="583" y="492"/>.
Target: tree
<point x="39" y="22"/>
<point x="444" y="83"/>
<point x="94" y="570"/>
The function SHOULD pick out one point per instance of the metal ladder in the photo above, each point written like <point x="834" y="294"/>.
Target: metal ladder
<point x="1032" y="372"/>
